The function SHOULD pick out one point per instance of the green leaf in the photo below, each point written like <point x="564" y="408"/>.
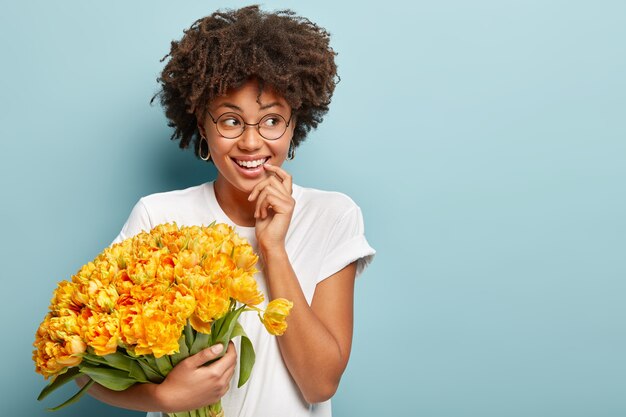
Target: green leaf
<point x="111" y="378"/>
<point x="183" y="351"/>
<point x="75" y="397"/>
<point x="115" y="360"/>
<point x="164" y="364"/>
<point x="247" y="356"/>
<point x="201" y="342"/>
<point x="119" y="361"/>
<point x="225" y="332"/>
<point x="59" y="381"/>
<point x="189" y="335"/>
<point x="238" y="331"/>
<point x="246" y="359"/>
<point x="137" y="373"/>
<point x="216" y="326"/>
<point x="151" y="373"/>
<point x="150" y="361"/>
<point x="94" y="359"/>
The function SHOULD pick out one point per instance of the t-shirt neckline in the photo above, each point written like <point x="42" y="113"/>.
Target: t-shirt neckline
<point x="215" y="205"/>
<point x="223" y="217"/>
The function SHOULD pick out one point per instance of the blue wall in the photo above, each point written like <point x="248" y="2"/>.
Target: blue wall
<point x="485" y="142"/>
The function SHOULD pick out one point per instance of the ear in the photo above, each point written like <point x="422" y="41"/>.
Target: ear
<point x="200" y="125"/>
<point x="293" y="123"/>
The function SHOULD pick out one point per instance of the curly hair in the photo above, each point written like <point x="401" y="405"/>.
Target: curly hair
<point x="289" y="53"/>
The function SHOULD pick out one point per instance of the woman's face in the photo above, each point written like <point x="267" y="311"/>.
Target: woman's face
<point x="239" y="161"/>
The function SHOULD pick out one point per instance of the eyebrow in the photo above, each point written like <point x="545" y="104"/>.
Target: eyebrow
<point x="263" y="107"/>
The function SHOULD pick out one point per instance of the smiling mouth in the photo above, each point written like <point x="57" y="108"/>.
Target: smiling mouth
<point x="251" y="164"/>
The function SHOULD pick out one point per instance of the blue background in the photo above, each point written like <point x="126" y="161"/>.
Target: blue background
<point x="485" y="142"/>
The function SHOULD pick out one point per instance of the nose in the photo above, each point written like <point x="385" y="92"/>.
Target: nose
<point x="250" y="139"/>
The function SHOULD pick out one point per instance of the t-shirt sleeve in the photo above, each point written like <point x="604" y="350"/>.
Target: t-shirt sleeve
<point x="138" y="221"/>
<point x="346" y="244"/>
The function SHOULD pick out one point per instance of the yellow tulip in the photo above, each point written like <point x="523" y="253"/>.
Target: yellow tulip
<point x="244" y="256"/>
<point x="162" y="332"/>
<point x="212" y="302"/>
<point x="275" y="317"/>
<point x="131" y="323"/>
<point x="101" y="331"/>
<point x="243" y="288"/>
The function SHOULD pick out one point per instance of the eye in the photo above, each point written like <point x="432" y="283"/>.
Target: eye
<point x="229" y="121"/>
<point x="272" y="121"/>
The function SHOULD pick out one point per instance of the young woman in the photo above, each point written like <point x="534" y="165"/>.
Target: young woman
<point x="244" y="87"/>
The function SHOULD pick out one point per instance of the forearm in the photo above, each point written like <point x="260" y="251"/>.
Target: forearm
<point x="140" y="397"/>
<point x="311" y="353"/>
<point x="190" y="385"/>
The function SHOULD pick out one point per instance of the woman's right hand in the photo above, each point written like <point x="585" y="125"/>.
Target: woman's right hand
<point x="192" y="385"/>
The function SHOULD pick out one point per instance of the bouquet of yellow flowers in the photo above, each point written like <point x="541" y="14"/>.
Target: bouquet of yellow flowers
<point x="145" y="304"/>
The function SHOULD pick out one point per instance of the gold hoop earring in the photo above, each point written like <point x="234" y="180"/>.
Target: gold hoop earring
<point x="208" y="152"/>
<point x="292" y="151"/>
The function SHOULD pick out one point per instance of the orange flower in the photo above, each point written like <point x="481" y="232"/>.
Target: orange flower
<point x="131" y="323"/>
<point x="101" y="298"/>
<point x="219" y="268"/>
<point x="146" y="291"/>
<point x="161" y="332"/>
<point x="62" y="328"/>
<point x="165" y="270"/>
<point x="72" y="348"/>
<point x="64" y="297"/>
<point x="84" y="274"/>
<point x="275" y="317"/>
<point x="213" y="302"/>
<point x="244" y="256"/>
<point x="123" y="283"/>
<point x="180" y="302"/>
<point x="51" y="358"/>
<point x="101" y="331"/>
<point x="58" y="345"/>
<point x="243" y="288"/>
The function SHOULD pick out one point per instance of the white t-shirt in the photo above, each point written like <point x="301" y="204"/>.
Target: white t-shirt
<point x="326" y="234"/>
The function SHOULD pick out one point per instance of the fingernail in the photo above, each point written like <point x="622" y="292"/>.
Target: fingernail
<point x="217" y="348"/>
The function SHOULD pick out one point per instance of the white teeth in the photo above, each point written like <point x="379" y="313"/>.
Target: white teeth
<point x="251" y="164"/>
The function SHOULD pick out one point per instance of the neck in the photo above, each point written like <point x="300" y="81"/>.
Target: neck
<point x="234" y="203"/>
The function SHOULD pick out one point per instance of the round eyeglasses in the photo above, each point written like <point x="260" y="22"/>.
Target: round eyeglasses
<point x="231" y="125"/>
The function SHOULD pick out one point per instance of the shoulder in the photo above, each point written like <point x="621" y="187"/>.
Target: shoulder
<point x="182" y="203"/>
<point x="322" y="212"/>
<point x="330" y="223"/>
<point x="184" y="207"/>
<point x="176" y="197"/>
<point x="323" y="202"/>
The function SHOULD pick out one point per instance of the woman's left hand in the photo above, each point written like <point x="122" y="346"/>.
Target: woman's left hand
<point x="274" y="207"/>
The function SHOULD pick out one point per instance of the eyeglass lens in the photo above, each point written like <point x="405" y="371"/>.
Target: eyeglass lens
<point x="271" y="126"/>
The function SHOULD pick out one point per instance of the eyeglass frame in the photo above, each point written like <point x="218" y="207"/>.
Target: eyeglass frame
<point x="243" y="129"/>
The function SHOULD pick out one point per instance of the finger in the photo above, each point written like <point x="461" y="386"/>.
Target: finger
<point x="274" y="186"/>
<point x="282" y="174"/>
<point x="261" y="200"/>
<point x="279" y="184"/>
<point x="273" y="180"/>
<point x="224" y="364"/>
<point x="261" y="203"/>
<point x="270" y="196"/>
<point x="230" y="349"/>
<point x="276" y="203"/>
<point x="205" y="355"/>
